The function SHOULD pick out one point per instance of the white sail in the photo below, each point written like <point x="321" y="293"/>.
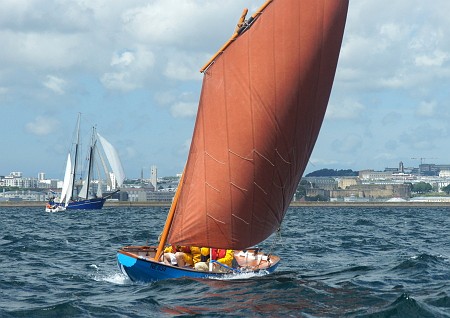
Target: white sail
<point x="113" y="159"/>
<point x="69" y="192"/>
<point x="67" y="180"/>
<point x="109" y="183"/>
<point x="84" y="189"/>
<point x="99" y="185"/>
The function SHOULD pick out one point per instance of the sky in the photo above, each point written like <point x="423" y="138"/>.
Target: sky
<point x="131" y="68"/>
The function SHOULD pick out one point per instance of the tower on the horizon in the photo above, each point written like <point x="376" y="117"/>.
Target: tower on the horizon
<point x="401" y="168"/>
<point x="154" y="176"/>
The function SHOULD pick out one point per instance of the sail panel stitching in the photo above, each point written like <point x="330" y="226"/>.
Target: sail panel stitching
<point x="270" y="162"/>
<point x="260" y="188"/>
<point x="237" y="155"/>
<point x="235" y="185"/>
<point x="209" y="155"/>
<point x="234" y="215"/>
<point x="212" y="187"/>
<point x="210" y="216"/>
<point x="282" y="157"/>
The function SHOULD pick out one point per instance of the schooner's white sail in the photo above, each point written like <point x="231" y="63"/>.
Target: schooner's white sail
<point x="113" y="159"/>
<point x="66" y="183"/>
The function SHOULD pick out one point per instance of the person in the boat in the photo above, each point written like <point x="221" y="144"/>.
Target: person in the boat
<point x="200" y="256"/>
<point x="221" y="256"/>
<point x="178" y="256"/>
<point x="51" y="202"/>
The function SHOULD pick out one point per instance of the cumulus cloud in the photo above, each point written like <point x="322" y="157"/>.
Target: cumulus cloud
<point x="129" y="69"/>
<point x="42" y="126"/>
<point x="183" y="109"/>
<point x="348" y="109"/>
<point x="55" y="84"/>
<point x="184" y="67"/>
<point x="393" y="68"/>
<point x="121" y="81"/>
<point x="123" y="59"/>
<point x="436" y="58"/>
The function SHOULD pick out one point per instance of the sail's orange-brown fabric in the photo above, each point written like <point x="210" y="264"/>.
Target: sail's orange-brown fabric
<point x="261" y="108"/>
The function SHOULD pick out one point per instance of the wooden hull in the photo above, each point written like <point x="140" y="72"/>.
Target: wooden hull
<point x="136" y="262"/>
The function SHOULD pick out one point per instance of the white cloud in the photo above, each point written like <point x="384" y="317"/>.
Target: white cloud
<point x="183" y="109"/>
<point x="121" y="81"/>
<point x="42" y="126"/>
<point x="123" y="59"/>
<point x="184" y="67"/>
<point x="55" y="84"/>
<point x="436" y="58"/>
<point x="349" y="109"/>
<point x="130" y="70"/>
<point x="150" y="51"/>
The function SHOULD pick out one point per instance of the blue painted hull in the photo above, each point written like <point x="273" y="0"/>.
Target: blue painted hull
<point x="140" y="269"/>
<point x="89" y="204"/>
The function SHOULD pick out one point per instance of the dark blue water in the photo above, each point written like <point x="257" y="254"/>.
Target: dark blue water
<point x="336" y="262"/>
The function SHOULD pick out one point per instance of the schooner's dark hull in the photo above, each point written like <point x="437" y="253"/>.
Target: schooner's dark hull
<point x="89" y="204"/>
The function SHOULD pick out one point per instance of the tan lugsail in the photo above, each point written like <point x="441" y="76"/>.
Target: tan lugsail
<point x="261" y="107"/>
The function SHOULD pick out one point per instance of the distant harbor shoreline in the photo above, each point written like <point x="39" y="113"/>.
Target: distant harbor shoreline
<point x="293" y="204"/>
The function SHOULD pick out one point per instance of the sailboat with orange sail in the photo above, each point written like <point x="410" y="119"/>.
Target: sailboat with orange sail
<point x="261" y="107"/>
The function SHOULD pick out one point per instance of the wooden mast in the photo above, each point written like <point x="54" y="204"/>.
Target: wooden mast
<point x="168" y="224"/>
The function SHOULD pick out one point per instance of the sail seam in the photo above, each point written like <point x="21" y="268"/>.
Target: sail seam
<point x="260" y="188"/>
<point x="237" y="155"/>
<point x="210" y="216"/>
<point x="234" y="184"/>
<point x="282" y="157"/>
<point x="256" y="151"/>
<point x="214" y="158"/>
<point x="212" y="187"/>
<point x="234" y="215"/>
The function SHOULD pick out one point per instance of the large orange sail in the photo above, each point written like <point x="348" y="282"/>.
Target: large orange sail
<point x="261" y="107"/>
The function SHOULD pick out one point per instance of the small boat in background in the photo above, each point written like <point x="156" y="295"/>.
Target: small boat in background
<point x="78" y="194"/>
<point x="262" y="103"/>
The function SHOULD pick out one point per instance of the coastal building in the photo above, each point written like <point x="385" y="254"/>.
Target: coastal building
<point x="345" y="182"/>
<point x="23" y="195"/>
<point x="431" y="169"/>
<point x="373" y="191"/>
<point x="147" y="194"/>
<point x="374" y="175"/>
<point x="326" y="183"/>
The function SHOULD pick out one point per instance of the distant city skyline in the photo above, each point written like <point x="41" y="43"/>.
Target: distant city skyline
<point x="153" y="171"/>
<point x="132" y="69"/>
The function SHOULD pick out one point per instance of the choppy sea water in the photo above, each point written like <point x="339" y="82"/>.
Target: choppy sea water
<point x="336" y="262"/>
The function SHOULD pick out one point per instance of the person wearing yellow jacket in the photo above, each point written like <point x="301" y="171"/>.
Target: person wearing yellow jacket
<point x="178" y="256"/>
<point x="222" y="256"/>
